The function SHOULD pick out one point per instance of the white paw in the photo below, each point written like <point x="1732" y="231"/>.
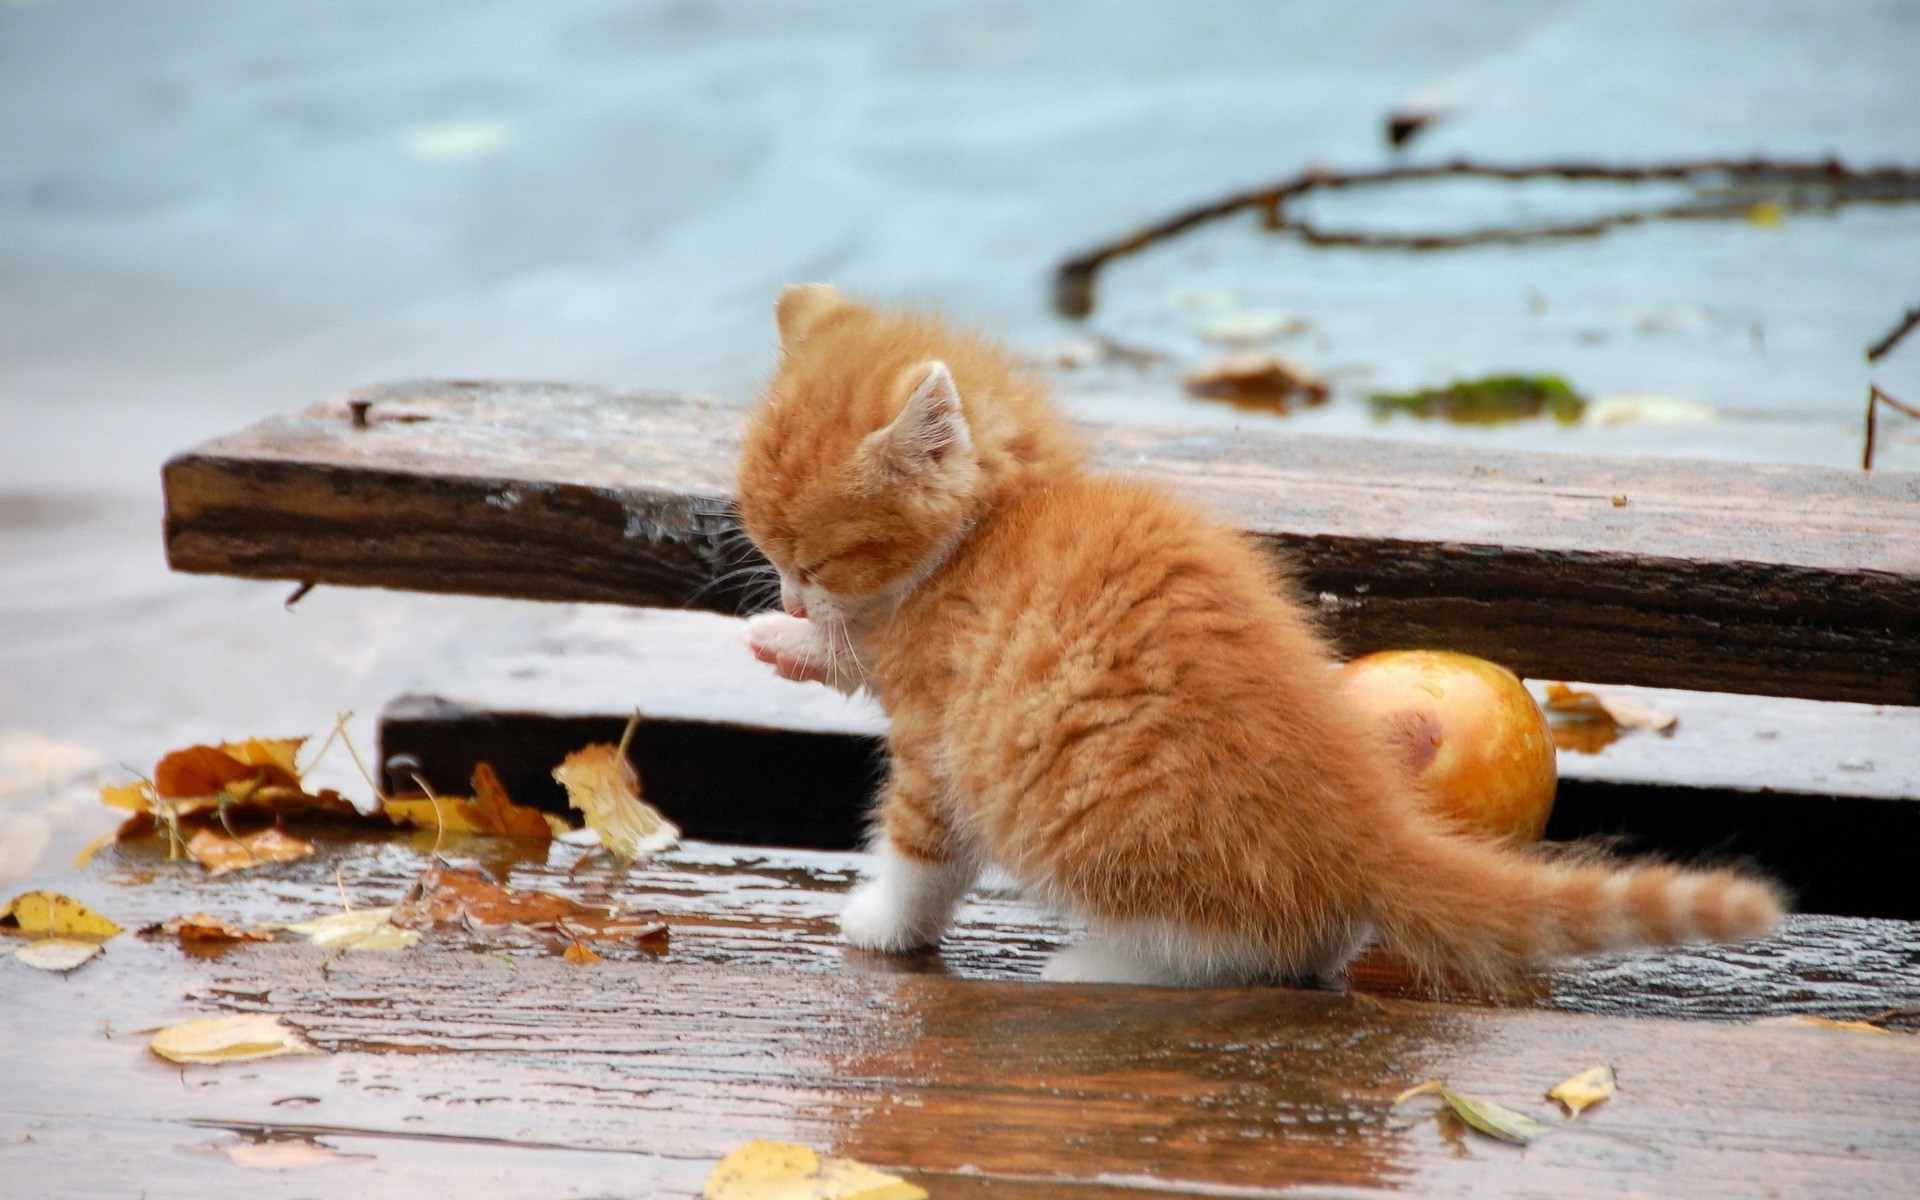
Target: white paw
<point x="877" y="917"/>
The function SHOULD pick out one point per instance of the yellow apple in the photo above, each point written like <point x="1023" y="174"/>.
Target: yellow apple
<point x="1469" y="731"/>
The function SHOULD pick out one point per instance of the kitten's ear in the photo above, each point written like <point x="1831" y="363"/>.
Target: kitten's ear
<point x="931" y="432"/>
<point x="802" y="306"/>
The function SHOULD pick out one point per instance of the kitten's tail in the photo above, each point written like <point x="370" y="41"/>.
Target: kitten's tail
<point x="1483" y="913"/>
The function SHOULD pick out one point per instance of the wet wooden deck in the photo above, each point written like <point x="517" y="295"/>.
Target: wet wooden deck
<point x="490" y="1061"/>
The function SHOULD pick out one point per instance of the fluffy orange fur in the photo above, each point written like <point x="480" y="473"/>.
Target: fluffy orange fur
<point x="1117" y="700"/>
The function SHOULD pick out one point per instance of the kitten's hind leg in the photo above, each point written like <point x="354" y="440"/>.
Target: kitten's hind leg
<point x="1154" y="953"/>
<point x="907" y="903"/>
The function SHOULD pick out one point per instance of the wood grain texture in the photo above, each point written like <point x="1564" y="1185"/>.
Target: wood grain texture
<point x="1769" y="580"/>
<point x="486" y="1065"/>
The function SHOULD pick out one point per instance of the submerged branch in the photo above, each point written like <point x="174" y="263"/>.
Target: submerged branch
<point x="1739" y="185"/>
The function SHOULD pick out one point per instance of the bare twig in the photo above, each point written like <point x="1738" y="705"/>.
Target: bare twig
<point x="1725" y="188"/>
<point x="1885" y="345"/>
<point x="1875" y="398"/>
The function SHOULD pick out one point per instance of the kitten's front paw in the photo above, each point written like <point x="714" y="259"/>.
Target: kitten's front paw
<point x="791" y="645"/>
<point x="877" y="918"/>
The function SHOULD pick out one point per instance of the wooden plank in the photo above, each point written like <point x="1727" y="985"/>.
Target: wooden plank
<point x="455" y="1061"/>
<point x="1815" y="792"/>
<point x="1769" y="580"/>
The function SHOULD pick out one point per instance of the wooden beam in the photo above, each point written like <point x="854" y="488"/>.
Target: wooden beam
<point x="1770" y="580"/>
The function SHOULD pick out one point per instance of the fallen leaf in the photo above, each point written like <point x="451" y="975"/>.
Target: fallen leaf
<point x="1610" y="411"/>
<point x="56" y="954"/>
<point x="356" y="929"/>
<point x="53" y="913"/>
<point x="209" y="770"/>
<point x="1580" y="1092"/>
<point x="228" y="1039"/>
<point x="783" y="1171"/>
<point x="288" y="1154"/>
<point x="1806" y="1021"/>
<point x="577" y="953"/>
<point x="221" y="853"/>
<point x="134" y="797"/>
<point x="1569" y="704"/>
<point x="1489" y="1118"/>
<point x="268" y="752"/>
<point x="1494" y="400"/>
<point x="491" y="811"/>
<point x="1257" y="380"/>
<point x="92" y="848"/>
<point x="205" y="927"/>
<point x="449" y="896"/>
<point x="602" y="784"/>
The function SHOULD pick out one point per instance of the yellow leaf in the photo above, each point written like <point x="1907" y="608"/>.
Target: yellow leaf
<point x="1582" y="1091"/>
<point x="1766" y="214"/>
<point x="491" y="811"/>
<point x="601" y="783"/>
<point x="782" y="1171"/>
<point x="92" y="848"/>
<point x="268" y="752"/>
<point x="134" y="797"/>
<point x="52" y="913"/>
<point x="1810" y="1022"/>
<point x="1489" y="1118"/>
<point x="577" y="953"/>
<point x="227" y="1039"/>
<point x="56" y="954"/>
<point x="357" y="929"/>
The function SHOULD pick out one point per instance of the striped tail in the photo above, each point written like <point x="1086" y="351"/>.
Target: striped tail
<point x="1483" y="913"/>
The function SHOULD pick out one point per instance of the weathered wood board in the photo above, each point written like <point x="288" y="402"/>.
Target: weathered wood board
<point x="486" y="1065"/>
<point x="1768" y="580"/>
<point x="1822" y="795"/>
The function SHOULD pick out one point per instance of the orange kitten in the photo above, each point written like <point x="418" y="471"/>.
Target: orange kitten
<point x="1116" y="700"/>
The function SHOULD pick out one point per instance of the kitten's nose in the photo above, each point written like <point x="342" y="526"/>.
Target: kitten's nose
<point x="790" y="600"/>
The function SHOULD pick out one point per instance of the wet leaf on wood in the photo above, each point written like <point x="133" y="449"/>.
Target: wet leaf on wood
<point x="356" y="929"/>
<point x="1495" y="400"/>
<point x="578" y="953"/>
<point x="1257" y="380"/>
<point x="491" y="811"/>
<point x="1567" y="705"/>
<point x="1577" y="1093"/>
<point x="205" y="927"/>
<point x="1806" y="1021"/>
<point x="56" y="954"/>
<point x="209" y="770"/>
<point x="1489" y="1118"/>
<point x="602" y="784"/>
<point x="783" y="1171"/>
<point x="228" y="1039"/>
<point x="221" y="853"/>
<point x="449" y="896"/>
<point x="54" y="914"/>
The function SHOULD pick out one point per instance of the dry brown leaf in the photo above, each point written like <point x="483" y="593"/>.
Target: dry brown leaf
<point x="783" y="1171"/>
<point x="228" y="1039"/>
<point x="577" y="953"/>
<point x="205" y="927"/>
<point x="602" y="784"/>
<point x="209" y="770"/>
<point x="221" y="853"/>
<point x="50" y="913"/>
